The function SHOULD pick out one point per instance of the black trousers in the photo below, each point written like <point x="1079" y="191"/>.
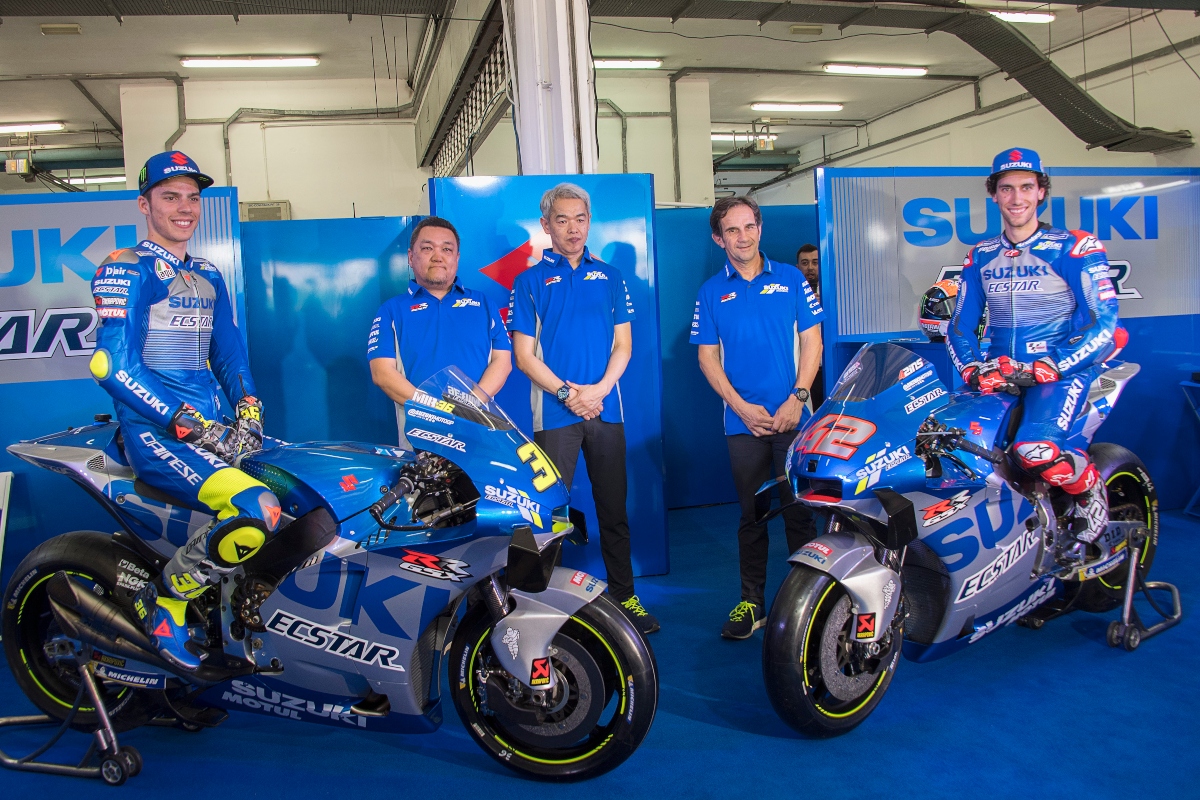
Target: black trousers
<point x="603" y="445"/>
<point x="753" y="459"/>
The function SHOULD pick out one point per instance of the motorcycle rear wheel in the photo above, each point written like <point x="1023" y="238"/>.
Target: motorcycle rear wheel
<point x="612" y="683"/>
<point x="1131" y="497"/>
<point x="29" y="623"/>
<point x="809" y="684"/>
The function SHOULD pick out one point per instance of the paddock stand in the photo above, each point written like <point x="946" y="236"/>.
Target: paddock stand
<point x="117" y="764"/>
<point x="1129" y="630"/>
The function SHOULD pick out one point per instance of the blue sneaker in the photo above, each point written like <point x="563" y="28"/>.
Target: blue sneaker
<point x="165" y="622"/>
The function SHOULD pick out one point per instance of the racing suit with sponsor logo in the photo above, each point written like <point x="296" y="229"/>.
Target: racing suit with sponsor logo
<point x="163" y="323"/>
<point x="1048" y="298"/>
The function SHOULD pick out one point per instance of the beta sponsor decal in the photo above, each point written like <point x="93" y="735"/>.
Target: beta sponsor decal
<point x="465" y="302"/>
<point x="1007" y="559"/>
<point x="163" y="270"/>
<point x="334" y="642"/>
<point x="289" y="706"/>
<point x="725" y="298"/>
<point x="774" y="288"/>
<point x="923" y="400"/>
<point x="438" y="438"/>
<point x="530" y="509"/>
<point x="425" y="415"/>
<point x="432" y="566"/>
<point x="595" y="275"/>
<point x="539" y="675"/>
<point x="864" y="626"/>
<point x="911" y="368"/>
<point x="142" y="680"/>
<point x="945" y="509"/>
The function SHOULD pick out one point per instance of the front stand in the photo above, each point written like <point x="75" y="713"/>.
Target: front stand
<point x="117" y="763"/>
<point x="1129" y="630"/>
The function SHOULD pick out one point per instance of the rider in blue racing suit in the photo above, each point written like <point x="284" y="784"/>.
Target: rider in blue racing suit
<point x="165" y="318"/>
<point x="1052" y="315"/>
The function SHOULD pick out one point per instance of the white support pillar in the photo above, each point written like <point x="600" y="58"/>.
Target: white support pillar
<point x="554" y="94"/>
<point x="693" y="141"/>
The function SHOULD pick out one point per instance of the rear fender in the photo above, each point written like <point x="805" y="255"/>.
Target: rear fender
<point x="849" y="558"/>
<point x="523" y="637"/>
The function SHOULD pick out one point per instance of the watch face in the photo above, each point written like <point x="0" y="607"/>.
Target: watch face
<point x="563" y="393"/>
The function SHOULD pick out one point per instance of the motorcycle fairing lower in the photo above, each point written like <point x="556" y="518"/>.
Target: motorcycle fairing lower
<point x="849" y="558"/>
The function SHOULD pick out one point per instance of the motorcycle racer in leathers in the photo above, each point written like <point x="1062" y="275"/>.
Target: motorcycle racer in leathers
<point x="1052" y="315"/>
<point x="165" y="318"/>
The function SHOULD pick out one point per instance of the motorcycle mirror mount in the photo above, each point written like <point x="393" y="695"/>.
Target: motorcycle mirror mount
<point x="762" y="501"/>
<point x="579" y="534"/>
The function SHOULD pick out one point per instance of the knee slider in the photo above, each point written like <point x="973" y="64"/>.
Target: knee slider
<point x="236" y="541"/>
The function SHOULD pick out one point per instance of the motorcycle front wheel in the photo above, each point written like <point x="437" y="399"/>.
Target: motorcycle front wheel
<point x="815" y="681"/>
<point x="598" y="714"/>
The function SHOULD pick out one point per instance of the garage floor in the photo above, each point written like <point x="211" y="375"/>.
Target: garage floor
<point x="1053" y="711"/>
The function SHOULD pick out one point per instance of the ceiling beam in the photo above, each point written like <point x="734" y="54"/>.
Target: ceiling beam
<point x="96" y="103"/>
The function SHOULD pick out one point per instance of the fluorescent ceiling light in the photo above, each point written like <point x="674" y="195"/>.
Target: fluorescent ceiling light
<point x="60" y="28"/>
<point x="876" y="70"/>
<point x="101" y="179"/>
<point x="807" y="30"/>
<point x="1121" y="188"/>
<point x="1042" y="17"/>
<point x="800" y="107"/>
<point x="1124" y="190"/>
<point x="743" y="137"/>
<point x="627" y="63"/>
<point x="32" y="127"/>
<point x="254" y="62"/>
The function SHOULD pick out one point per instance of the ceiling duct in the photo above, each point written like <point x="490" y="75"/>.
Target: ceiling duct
<point x="993" y="38"/>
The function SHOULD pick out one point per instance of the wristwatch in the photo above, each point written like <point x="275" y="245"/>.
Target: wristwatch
<point x="563" y="393"/>
<point x="801" y="395"/>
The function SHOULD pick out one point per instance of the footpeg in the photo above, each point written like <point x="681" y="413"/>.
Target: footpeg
<point x="373" y="705"/>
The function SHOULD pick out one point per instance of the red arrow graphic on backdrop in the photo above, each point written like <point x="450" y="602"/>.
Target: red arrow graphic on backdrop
<point x="505" y="269"/>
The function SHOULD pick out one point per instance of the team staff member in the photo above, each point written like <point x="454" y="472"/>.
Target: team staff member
<point x="760" y="345"/>
<point x="167" y="346"/>
<point x="808" y="261"/>
<point x="437" y="323"/>
<point x="571" y="318"/>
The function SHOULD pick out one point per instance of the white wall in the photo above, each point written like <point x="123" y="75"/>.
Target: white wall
<point x="1167" y="97"/>
<point x="325" y="168"/>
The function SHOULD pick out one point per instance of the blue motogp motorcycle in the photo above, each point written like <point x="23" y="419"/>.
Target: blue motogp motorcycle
<point x="389" y="563"/>
<point x="930" y="538"/>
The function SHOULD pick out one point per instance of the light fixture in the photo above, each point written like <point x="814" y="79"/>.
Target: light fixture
<point x="807" y="30"/>
<point x="627" y="63"/>
<point x="93" y="181"/>
<point x="31" y="127"/>
<point x="798" y="107"/>
<point x="876" y="70"/>
<point x="60" y="28"/>
<point x="1122" y="188"/>
<point x="248" y="62"/>
<point x="1137" y="187"/>
<point x="743" y="137"/>
<point x="1042" y="17"/>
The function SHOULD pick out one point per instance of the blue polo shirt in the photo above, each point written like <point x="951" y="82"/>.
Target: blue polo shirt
<point x="426" y="335"/>
<point x="571" y="314"/>
<point x="758" y="325"/>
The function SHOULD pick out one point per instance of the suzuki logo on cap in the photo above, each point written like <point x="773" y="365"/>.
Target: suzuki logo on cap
<point x="179" y="158"/>
<point x="1015" y="155"/>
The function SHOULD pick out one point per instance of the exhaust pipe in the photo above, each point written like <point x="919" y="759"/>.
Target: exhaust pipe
<point x="67" y="595"/>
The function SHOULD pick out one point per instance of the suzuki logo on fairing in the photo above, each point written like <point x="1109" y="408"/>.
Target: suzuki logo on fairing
<point x="934" y="223"/>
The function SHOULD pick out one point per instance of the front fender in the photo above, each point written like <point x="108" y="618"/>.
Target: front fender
<point x="523" y="637"/>
<point x="849" y="558"/>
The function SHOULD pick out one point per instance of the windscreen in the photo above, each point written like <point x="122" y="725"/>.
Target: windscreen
<point x="875" y="368"/>
<point x="452" y="392"/>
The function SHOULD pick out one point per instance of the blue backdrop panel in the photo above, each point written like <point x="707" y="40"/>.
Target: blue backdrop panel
<point x="698" y="471"/>
<point x="501" y="236"/>
<point x="50" y="247"/>
<point x="312" y="289"/>
<point x="888" y="233"/>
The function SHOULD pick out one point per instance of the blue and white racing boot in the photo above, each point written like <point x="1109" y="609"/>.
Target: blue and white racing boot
<point x="165" y="622"/>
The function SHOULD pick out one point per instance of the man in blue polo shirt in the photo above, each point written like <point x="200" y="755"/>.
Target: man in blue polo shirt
<point x="437" y="323"/>
<point x="571" y="318"/>
<point x="760" y="346"/>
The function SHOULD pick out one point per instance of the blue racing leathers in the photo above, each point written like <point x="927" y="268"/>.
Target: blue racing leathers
<point x="1048" y="298"/>
<point x="167" y="338"/>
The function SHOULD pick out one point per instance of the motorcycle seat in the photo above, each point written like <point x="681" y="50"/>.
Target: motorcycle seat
<point x="153" y="493"/>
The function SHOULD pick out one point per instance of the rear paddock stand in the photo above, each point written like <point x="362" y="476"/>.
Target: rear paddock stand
<point x="1129" y="630"/>
<point x="117" y="764"/>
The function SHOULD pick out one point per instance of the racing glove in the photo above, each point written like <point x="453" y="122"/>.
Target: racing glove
<point x="1045" y="371"/>
<point x="248" y="424"/>
<point x="999" y="375"/>
<point x="188" y="425"/>
<point x="970" y="374"/>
